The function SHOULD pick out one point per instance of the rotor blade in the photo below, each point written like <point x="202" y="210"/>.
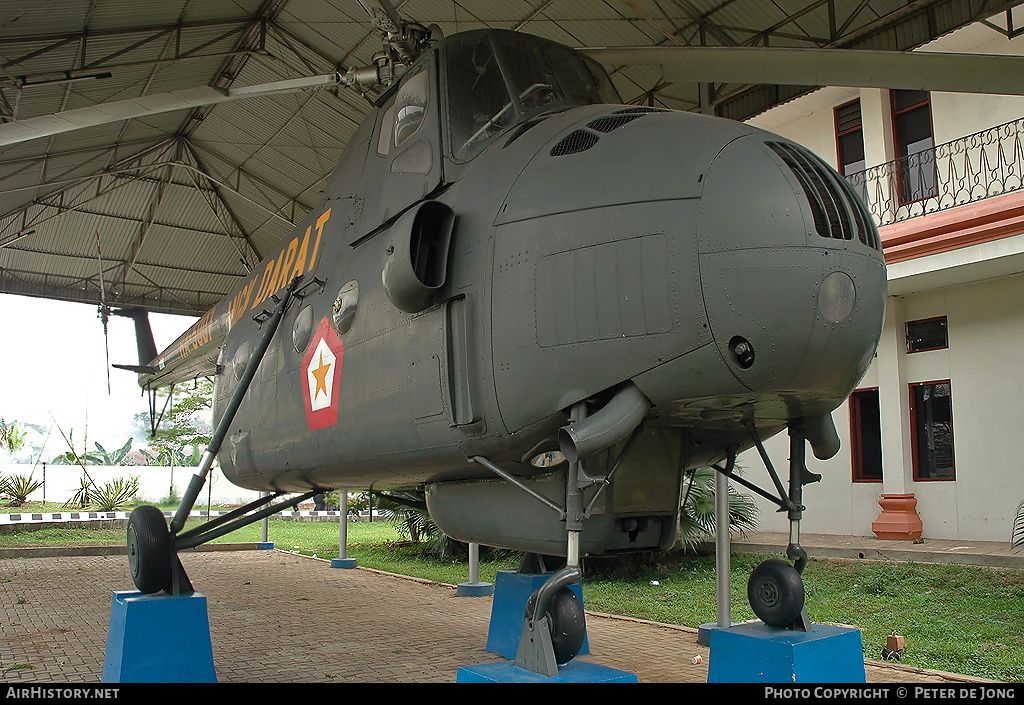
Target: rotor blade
<point x="927" y="71"/>
<point x="116" y="111"/>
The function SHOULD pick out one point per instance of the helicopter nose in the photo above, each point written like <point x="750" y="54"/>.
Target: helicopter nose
<point x="791" y="270"/>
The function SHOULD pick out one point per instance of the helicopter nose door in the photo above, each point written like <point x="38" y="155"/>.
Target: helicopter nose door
<point x="794" y="300"/>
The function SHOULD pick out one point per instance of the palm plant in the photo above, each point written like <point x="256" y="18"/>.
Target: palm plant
<point x="697" y="520"/>
<point x="18" y="488"/>
<point x="409" y="511"/>
<point x="115" y="494"/>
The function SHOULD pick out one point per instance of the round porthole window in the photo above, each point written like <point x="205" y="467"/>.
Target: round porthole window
<point x="345" y="307"/>
<point x="302" y="329"/>
<point x="240" y="359"/>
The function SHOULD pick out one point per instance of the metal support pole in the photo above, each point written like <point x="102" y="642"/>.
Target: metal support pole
<point x="265" y="524"/>
<point x="343" y="561"/>
<point x="343" y="524"/>
<point x="474" y="588"/>
<point x="474" y="562"/>
<point x="723" y="567"/>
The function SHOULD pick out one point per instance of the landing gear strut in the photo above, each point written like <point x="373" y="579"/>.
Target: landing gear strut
<point x="555" y="626"/>
<point x="152" y="545"/>
<point x="775" y="589"/>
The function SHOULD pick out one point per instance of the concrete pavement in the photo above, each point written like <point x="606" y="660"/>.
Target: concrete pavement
<point x="279" y="617"/>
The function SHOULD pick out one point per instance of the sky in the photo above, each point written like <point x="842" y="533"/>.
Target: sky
<point x="53" y="368"/>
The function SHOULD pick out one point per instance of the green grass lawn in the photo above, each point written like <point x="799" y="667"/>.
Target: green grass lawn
<point x="961" y="619"/>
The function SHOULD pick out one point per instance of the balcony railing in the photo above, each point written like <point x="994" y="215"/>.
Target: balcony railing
<point x="972" y="168"/>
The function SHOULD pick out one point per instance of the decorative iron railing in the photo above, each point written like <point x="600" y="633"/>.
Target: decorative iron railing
<point x="978" y="166"/>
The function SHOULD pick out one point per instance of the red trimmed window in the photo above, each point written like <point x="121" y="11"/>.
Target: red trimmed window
<point x="927" y="334"/>
<point x="850" y="138"/>
<point x="866" y="436"/>
<point x="931" y="428"/>
<point x="915" y="145"/>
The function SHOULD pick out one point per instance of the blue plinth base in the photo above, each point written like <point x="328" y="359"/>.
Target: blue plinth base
<point x="343" y="562"/>
<point x="474" y="589"/>
<point x="511" y="591"/>
<point x="264" y="545"/>
<point x="756" y="653"/>
<point x="572" y="672"/>
<point x="704" y="632"/>
<point x="158" y="639"/>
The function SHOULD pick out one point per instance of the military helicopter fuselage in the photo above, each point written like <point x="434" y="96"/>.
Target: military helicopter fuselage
<point x="502" y="243"/>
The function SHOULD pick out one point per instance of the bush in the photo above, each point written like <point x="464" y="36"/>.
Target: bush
<point x="18" y="488"/>
<point x="115" y="494"/>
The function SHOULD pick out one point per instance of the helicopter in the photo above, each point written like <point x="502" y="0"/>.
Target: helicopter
<point x="534" y="310"/>
<point x="537" y="309"/>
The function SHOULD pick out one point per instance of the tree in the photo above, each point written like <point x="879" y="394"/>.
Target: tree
<point x="186" y="427"/>
<point x="12" y="437"/>
<point x="73" y="457"/>
<point x="121" y="456"/>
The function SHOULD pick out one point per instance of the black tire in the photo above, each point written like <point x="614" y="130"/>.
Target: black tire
<point x="776" y="593"/>
<point x="567" y="623"/>
<point x="149" y="550"/>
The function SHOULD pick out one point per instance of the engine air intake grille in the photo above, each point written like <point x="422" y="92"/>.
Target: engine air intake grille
<point x="836" y="210"/>
<point x="575" y="141"/>
<point x="610" y="122"/>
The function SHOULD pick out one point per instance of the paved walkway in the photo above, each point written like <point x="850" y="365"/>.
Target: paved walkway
<point x="278" y="617"/>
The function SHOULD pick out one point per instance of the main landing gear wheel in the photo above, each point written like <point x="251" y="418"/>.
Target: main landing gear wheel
<point x="567" y="623"/>
<point x="776" y="593"/>
<point x="149" y="550"/>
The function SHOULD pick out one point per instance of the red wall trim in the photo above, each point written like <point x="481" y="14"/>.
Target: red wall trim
<point x="970" y="224"/>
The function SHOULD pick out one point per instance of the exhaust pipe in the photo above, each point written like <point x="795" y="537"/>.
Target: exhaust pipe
<point x="608" y="426"/>
<point x="821" y="434"/>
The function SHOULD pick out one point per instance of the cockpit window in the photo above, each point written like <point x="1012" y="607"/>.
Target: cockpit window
<point x="410" y="107"/>
<point x="479" y="106"/>
<point x="538" y="77"/>
<point x="534" y="83"/>
<point x="584" y="81"/>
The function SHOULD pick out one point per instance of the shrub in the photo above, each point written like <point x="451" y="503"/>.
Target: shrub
<point x="115" y="494"/>
<point x="18" y="488"/>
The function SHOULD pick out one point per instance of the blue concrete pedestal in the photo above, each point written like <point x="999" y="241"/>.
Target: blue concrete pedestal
<point x="343" y="562"/>
<point x="572" y="672"/>
<point x="158" y="639"/>
<point x="756" y="653"/>
<point x="511" y="591"/>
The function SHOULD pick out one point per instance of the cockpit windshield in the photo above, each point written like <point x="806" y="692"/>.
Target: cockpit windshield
<point x="495" y="81"/>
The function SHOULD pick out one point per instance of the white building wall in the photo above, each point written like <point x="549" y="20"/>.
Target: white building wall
<point x="62" y="481"/>
<point x="986" y="333"/>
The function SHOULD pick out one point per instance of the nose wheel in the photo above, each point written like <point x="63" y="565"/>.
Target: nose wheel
<point x="776" y="593"/>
